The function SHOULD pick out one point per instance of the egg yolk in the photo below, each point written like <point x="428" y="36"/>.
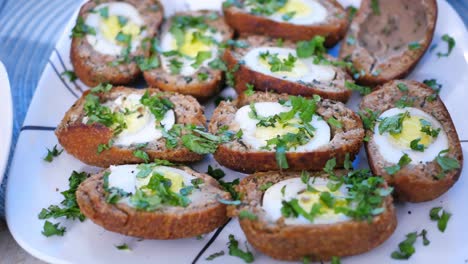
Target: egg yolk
<point x="191" y="46"/>
<point x="136" y="121"/>
<point x="308" y="199"/>
<point x="299" y="8"/>
<point x="177" y="181"/>
<point x="266" y="133"/>
<point x="411" y="130"/>
<point x="111" y="27"/>
<point x="299" y="69"/>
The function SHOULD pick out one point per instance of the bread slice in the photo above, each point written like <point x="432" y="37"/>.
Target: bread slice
<point x="414" y="182"/>
<point x="169" y="222"/>
<point x="243" y="74"/>
<point x="315" y="241"/>
<point x="83" y="140"/>
<point x="193" y="84"/>
<point x="93" y="67"/>
<point x="385" y="47"/>
<point x="236" y="155"/>
<point x="245" y="23"/>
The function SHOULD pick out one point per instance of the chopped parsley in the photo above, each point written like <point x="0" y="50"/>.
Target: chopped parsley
<point x="427" y="128"/>
<point x="375" y="7"/>
<point x="432" y="83"/>
<point x="450" y="43"/>
<point x="288" y="16"/>
<point x="98" y="113"/>
<point x="175" y="66"/>
<point x="414" y="45"/>
<point x="402" y="87"/>
<point x="265" y="186"/>
<point x="147" y="63"/>
<point x="123" y="247"/>
<point x="351" y="12"/>
<point x="51" y="154"/>
<point x="157" y="105"/>
<point x="200" y="58"/>
<point x="202" y="76"/>
<point x="406" y="247"/>
<point x="102" y="88"/>
<point x="441" y="216"/>
<point x="51" y="229"/>
<point x="277" y="64"/>
<point x="393" y="124"/>
<point x="363" y="90"/>
<point x="215" y="173"/>
<point x="235" y="251"/>
<point x="404" y="160"/>
<point x="103" y="147"/>
<point x="369" y="118"/>
<point x="69" y="207"/>
<point x="446" y="163"/>
<point x="81" y="29"/>
<point x="138" y="153"/>
<point x="104" y="12"/>
<point x="404" y="101"/>
<point x="215" y="255"/>
<point x="305" y="49"/>
<point x="334" y="122"/>
<point x="335" y="260"/>
<point x="71" y="75"/>
<point x="250" y="89"/>
<point x="414" y="145"/>
<point x="244" y="214"/>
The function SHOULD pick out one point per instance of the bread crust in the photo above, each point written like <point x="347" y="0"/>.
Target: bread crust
<point x="191" y="85"/>
<point x="173" y="223"/>
<point x="413" y="183"/>
<point x="237" y="156"/>
<point x="93" y="68"/>
<point x="320" y="242"/>
<point x="375" y="71"/>
<point x="248" y="24"/>
<point x="334" y="89"/>
<point x="82" y="140"/>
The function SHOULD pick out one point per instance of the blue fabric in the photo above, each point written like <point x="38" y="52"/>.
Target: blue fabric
<point x="28" y="32"/>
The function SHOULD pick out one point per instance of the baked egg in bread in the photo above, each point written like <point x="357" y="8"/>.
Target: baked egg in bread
<point x="117" y="26"/>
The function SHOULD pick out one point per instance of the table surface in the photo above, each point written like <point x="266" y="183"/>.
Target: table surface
<point x="28" y="35"/>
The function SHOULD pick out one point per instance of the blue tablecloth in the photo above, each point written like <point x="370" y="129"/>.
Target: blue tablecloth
<point x="28" y="32"/>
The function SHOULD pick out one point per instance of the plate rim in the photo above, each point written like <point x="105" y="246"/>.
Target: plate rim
<point x="7" y="109"/>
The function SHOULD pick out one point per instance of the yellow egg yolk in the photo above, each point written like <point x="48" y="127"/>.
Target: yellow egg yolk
<point x="299" y="69"/>
<point x="266" y="133"/>
<point x="299" y="8"/>
<point x="307" y="200"/>
<point x="136" y="121"/>
<point x="411" y="130"/>
<point x="177" y="180"/>
<point x="191" y="46"/>
<point x="111" y="27"/>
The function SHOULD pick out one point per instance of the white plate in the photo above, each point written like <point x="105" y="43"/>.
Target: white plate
<point x="6" y="119"/>
<point x="35" y="184"/>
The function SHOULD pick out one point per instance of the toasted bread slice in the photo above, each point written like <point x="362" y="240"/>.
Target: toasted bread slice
<point x="244" y="74"/>
<point x="313" y="240"/>
<point x="386" y="42"/>
<point x="345" y="140"/>
<point x="203" y="214"/>
<point x="83" y="139"/>
<point x="425" y="180"/>
<point x="202" y="81"/>
<point x="93" y="66"/>
<point x="332" y="27"/>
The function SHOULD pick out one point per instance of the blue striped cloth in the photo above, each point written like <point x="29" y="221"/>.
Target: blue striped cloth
<point x="28" y="32"/>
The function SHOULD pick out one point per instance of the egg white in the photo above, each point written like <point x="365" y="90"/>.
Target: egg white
<point x="168" y="43"/>
<point x="304" y="69"/>
<point x="141" y="127"/>
<point x="392" y="152"/>
<point x="124" y="177"/>
<point x="99" y="42"/>
<point x="272" y="201"/>
<point x="249" y="126"/>
<point x="307" y="12"/>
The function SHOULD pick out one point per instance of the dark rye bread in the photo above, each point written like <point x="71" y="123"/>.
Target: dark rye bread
<point x="166" y="223"/>
<point x="413" y="183"/>
<point x="333" y="29"/>
<point x="334" y="89"/>
<point x="237" y="156"/>
<point x="319" y="242"/>
<point x="191" y="85"/>
<point x="379" y="45"/>
<point x="82" y="140"/>
<point x="92" y="67"/>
